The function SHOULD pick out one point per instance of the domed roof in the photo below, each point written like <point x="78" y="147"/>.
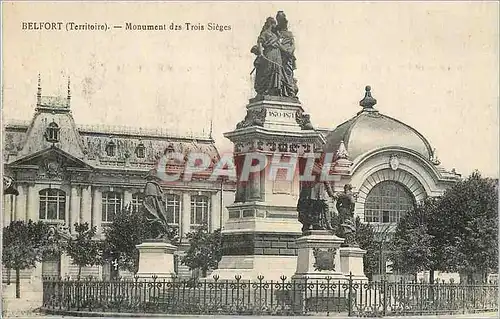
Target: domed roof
<point x="370" y="130"/>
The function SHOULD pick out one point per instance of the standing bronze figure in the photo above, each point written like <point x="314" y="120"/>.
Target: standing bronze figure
<point x="345" y="207"/>
<point x="275" y="61"/>
<point x="154" y="206"/>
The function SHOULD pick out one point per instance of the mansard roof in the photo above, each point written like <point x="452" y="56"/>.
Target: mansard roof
<point x="88" y="143"/>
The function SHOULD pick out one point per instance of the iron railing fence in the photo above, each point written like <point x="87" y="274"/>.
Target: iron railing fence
<point x="283" y="297"/>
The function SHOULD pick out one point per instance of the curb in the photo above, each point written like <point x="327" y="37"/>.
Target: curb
<point x="166" y="315"/>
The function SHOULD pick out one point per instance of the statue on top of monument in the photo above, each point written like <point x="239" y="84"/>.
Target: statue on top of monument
<point x="275" y="61"/>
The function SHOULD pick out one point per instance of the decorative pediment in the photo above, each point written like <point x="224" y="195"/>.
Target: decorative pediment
<point x="51" y="163"/>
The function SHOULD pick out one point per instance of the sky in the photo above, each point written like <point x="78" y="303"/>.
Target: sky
<point x="431" y="65"/>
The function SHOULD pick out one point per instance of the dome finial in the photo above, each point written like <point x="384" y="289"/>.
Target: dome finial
<point x="368" y="101"/>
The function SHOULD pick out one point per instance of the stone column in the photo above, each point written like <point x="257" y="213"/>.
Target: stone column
<point x="7" y="209"/>
<point x="185" y="214"/>
<point x="32" y="204"/>
<point x="67" y="206"/>
<point x="86" y="209"/>
<point x="215" y="212"/>
<point x="20" y="213"/>
<point x="96" y="208"/>
<point x="74" y="208"/>
<point x="255" y="180"/>
<point x="127" y="197"/>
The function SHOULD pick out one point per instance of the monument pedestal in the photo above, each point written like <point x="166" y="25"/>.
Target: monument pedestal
<point x="319" y="257"/>
<point x="156" y="259"/>
<point x="260" y="235"/>
<point x="351" y="260"/>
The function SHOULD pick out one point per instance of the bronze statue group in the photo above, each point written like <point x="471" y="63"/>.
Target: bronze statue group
<point x="274" y="67"/>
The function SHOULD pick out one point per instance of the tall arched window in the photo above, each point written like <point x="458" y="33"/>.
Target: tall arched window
<point x="137" y="201"/>
<point x="199" y="211"/>
<point x="52" y="204"/>
<point x="52" y="133"/>
<point x="388" y="202"/>
<point x="173" y="209"/>
<point x="112" y="203"/>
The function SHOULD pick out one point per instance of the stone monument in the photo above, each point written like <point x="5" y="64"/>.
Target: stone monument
<point x="318" y="248"/>
<point x="156" y="255"/>
<point x="259" y="236"/>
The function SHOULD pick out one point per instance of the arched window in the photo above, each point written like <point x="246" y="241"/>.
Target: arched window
<point x="137" y="201"/>
<point x="111" y="149"/>
<point x="388" y="202"/>
<point x="199" y="211"/>
<point x="140" y="151"/>
<point x="52" y="133"/>
<point x="173" y="209"/>
<point x="52" y="204"/>
<point x="112" y="203"/>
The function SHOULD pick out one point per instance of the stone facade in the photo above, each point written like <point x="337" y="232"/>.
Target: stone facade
<point x="66" y="173"/>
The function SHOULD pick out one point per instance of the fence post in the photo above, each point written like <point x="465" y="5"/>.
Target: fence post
<point x="384" y="291"/>
<point x="349" y="296"/>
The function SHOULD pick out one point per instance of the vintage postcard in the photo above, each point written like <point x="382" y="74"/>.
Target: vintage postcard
<point x="280" y="158"/>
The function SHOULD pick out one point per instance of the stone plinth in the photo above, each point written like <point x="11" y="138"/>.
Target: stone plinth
<point x="319" y="256"/>
<point x="259" y="236"/>
<point x="351" y="260"/>
<point x="156" y="259"/>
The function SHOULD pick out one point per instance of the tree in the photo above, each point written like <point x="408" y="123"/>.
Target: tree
<point x="127" y="230"/>
<point x="25" y="244"/>
<point x="205" y="250"/>
<point x="468" y="223"/>
<point x="84" y="249"/>
<point x="413" y="246"/>
<point x="365" y="237"/>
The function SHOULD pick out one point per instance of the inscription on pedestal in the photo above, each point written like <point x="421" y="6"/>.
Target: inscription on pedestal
<point x="282" y="114"/>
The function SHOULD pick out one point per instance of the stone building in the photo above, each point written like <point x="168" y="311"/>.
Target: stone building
<point x="389" y="164"/>
<point x="66" y="173"/>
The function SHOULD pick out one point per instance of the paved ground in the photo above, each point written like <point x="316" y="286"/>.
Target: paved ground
<point x="472" y="316"/>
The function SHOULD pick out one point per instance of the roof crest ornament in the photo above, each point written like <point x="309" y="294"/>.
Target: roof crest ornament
<point x="434" y="158"/>
<point x="69" y="91"/>
<point x="368" y="101"/>
<point x="342" y="151"/>
<point x="39" y="91"/>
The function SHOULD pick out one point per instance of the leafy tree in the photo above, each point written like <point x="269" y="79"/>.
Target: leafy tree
<point x="468" y="224"/>
<point x="413" y="246"/>
<point x="84" y="249"/>
<point x="456" y="232"/>
<point x="205" y="250"/>
<point x="25" y="244"/>
<point x="127" y="230"/>
<point x="365" y="237"/>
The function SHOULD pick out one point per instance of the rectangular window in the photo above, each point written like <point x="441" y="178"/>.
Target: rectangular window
<point x="136" y="202"/>
<point x="385" y="216"/>
<point x="199" y="211"/>
<point x="172" y="202"/>
<point x="112" y="204"/>
<point x="52" y="204"/>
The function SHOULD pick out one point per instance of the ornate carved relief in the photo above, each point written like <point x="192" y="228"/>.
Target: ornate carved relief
<point x="255" y="117"/>
<point x="394" y="162"/>
<point x="304" y="121"/>
<point x="324" y="259"/>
